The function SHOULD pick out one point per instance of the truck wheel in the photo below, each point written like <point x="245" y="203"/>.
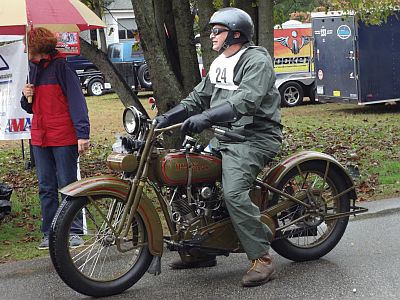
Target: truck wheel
<point x="312" y="99"/>
<point x="311" y="94"/>
<point x="144" y="77"/>
<point x="291" y="94"/>
<point x="91" y="70"/>
<point x="95" y="87"/>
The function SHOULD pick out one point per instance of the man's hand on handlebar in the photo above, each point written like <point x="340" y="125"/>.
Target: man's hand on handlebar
<point x="173" y="116"/>
<point x="162" y="122"/>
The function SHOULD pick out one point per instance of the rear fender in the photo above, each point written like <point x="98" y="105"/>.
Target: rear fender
<point x="113" y="186"/>
<point x="279" y="171"/>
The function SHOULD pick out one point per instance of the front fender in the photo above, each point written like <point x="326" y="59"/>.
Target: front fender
<point x="109" y="185"/>
<point x="280" y="170"/>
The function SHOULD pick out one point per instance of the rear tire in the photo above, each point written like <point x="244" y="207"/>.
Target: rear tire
<point x="98" y="268"/>
<point x="95" y="87"/>
<point x="313" y="237"/>
<point x="292" y="94"/>
<point x="144" y="77"/>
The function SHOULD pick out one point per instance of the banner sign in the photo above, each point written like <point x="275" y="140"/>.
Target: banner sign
<point x="15" y="123"/>
<point x="293" y="50"/>
<point x="68" y="43"/>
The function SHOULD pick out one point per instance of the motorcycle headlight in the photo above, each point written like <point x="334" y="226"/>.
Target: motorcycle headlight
<point x="132" y="121"/>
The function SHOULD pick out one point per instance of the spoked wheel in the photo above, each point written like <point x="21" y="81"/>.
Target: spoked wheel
<point x="309" y="234"/>
<point x="103" y="264"/>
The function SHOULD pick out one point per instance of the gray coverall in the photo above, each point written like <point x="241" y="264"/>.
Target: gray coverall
<point x="257" y="102"/>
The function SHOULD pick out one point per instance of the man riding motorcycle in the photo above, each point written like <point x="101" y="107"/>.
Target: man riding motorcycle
<point x="239" y="94"/>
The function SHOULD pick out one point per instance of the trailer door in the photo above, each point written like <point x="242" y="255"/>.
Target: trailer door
<point x="335" y="58"/>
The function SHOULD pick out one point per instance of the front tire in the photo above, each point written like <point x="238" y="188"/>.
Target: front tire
<point x="98" y="267"/>
<point x="313" y="237"/>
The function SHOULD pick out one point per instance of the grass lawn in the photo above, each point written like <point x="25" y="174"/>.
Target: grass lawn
<point x="364" y="139"/>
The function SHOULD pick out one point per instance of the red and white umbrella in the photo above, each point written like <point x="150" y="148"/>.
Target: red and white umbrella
<point x="56" y="15"/>
<point x="18" y="16"/>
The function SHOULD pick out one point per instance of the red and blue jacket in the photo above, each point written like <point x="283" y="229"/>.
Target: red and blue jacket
<point x="60" y="114"/>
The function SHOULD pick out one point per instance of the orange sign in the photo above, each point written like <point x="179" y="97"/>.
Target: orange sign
<point x="292" y="49"/>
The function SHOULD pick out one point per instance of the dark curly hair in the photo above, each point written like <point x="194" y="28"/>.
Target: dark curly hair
<point x="41" y="41"/>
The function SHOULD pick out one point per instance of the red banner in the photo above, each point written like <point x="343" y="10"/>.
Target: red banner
<point x="68" y="43"/>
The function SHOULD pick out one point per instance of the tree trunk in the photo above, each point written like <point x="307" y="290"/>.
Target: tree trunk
<point x="167" y="89"/>
<point x="167" y="33"/>
<point x="185" y="44"/>
<point x="266" y="25"/>
<point x="164" y="32"/>
<point x="119" y="85"/>
<point x="206" y="9"/>
<point x="251" y="8"/>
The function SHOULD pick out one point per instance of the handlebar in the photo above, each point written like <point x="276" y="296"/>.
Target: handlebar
<point x="231" y="135"/>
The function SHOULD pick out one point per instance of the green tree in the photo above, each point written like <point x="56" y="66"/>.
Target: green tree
<point x="370" y="11"/>
<point x="284" y="9"/>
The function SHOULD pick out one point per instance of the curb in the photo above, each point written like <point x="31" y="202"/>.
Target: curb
<point x="378" y="208"/>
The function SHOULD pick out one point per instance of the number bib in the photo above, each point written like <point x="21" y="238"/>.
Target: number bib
<point x="221" y="71"/>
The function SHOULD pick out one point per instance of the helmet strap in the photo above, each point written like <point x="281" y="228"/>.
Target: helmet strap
<point x="223" y="48"/>
<point x="227" y="43"/>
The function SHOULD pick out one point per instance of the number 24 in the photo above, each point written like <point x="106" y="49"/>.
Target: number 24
<point x="221" y="75"/>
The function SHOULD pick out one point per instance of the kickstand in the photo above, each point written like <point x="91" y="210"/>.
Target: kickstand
<point x="155" y="266"/>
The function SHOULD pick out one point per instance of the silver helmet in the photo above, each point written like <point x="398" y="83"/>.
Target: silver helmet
<point x="236" y="20"/>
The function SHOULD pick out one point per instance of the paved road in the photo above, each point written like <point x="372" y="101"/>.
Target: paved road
<point x="365" y="265"/>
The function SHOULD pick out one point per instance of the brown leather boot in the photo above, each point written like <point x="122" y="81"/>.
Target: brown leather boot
<point x="261" y="271"/>
<point x="191" y="262"/>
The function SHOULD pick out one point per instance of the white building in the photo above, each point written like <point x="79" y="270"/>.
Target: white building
<point x="120" y="20"/>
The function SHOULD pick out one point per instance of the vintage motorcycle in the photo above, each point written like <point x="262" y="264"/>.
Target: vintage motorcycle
<point x="306" y="200"/>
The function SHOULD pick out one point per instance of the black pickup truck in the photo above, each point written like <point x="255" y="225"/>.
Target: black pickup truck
<point x="92" y="80"/>
<point x="135" y="73"/>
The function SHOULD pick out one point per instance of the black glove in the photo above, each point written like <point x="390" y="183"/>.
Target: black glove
<point x="224" y="113"/>
<point x="196" y="123"/>
<point x="175" y="115"/>
<point x="162" y="121"/>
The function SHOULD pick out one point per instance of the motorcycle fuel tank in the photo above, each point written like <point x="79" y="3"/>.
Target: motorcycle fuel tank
<point x="172" y="168"/>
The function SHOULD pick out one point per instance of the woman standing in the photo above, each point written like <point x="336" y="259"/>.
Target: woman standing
<point x="60" y="125"/>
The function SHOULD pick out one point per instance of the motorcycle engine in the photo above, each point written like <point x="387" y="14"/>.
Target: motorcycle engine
<point x="201" y="200"/>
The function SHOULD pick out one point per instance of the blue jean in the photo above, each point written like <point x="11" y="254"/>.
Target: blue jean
<point x="56" y="167"/>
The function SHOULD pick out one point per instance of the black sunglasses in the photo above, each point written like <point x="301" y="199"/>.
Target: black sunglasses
<point x="216" y="31"/>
